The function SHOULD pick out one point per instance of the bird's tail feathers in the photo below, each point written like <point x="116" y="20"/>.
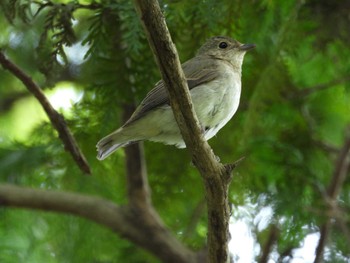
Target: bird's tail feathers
<point x="109" y="144"/>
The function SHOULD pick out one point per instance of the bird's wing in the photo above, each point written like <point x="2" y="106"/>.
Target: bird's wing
<point x="196" y="72"/>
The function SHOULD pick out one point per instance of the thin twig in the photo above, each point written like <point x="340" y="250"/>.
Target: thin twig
<point x="327" y="147"/>
<point x="56" y="119"/>
<point x="341" y="170"/>
<point x="342" y="219"/>
<point x="308" y="91"/>
<point x="194" y="219"/>
<point x="43" y="5"/>
<point x="342" y="167"/>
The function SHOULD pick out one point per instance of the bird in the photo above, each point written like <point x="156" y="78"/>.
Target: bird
<point x="214" y="80"/>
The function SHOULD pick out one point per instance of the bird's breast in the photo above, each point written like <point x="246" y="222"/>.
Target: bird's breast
<point x="217" y="101"/>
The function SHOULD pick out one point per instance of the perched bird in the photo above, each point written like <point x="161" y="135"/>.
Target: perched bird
<point x="214" y="79"/>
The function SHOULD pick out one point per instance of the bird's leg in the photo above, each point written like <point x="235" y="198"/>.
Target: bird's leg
<point x="204" y="129"/>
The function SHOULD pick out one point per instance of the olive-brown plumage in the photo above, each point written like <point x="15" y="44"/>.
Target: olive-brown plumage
<point x="214" y="80"/>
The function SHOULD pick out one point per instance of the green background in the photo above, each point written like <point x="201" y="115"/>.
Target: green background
<point x="290" y="126"/>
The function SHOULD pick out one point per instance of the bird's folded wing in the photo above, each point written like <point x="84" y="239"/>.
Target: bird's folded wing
<point x="196" y="74"/>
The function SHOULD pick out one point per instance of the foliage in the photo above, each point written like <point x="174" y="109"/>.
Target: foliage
<point x="289" y="136"/>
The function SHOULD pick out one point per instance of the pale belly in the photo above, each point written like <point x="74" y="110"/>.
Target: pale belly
<point x="215" y="110"/>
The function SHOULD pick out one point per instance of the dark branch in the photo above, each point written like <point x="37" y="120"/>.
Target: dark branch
<point x="324" y="233"/>
<point x="273" y="235"/>
<point x="56" y="119"/>
<point x="286" y="254"/>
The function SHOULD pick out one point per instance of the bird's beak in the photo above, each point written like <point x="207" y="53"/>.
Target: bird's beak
<point x="246" y="47"/>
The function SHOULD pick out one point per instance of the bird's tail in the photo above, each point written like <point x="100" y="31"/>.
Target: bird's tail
<point x="109" y="144"/>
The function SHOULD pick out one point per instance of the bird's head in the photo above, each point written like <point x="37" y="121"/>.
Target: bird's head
<point x="225" y="48"/>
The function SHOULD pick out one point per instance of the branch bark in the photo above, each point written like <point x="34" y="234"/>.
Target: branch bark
<point x="96" y="209"/>
<point x="56" y="119"/>
<point x="216" y="176"/>
<point x="341" y="170"/>
<point x="142" y="229"/>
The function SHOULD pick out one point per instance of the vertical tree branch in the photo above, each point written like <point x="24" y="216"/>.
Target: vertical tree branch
<point x="56" y="119"/>
<point x="136" y="173"/>
<point x="324" y="233"/>
<point x="341" y="170"/>
<point x="143" y="215"/>
<point x="215" y="175"/>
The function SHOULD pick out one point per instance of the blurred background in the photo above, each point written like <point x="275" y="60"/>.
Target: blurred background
<point x="93" y="61"/>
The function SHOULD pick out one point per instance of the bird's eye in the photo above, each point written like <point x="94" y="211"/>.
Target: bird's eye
<point x="223" y="45"/>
